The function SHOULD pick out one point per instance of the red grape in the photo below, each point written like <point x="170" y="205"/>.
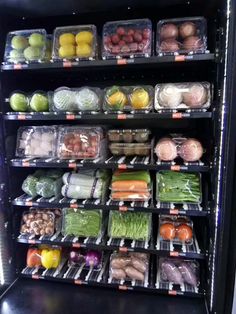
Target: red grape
<point x="120" y="31"/>
<point x="130" y="32"/>
<point x="115" y="39"/>
<point x="121" y="43"/>
<point x="138" y="37"/>
<point x="128" y="39"/>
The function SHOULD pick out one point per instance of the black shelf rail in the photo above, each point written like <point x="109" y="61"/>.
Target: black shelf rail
<point x="70" y="116"/>
<point x="120" y="162"/>
<point x="62" y="202"/>
<point x="154" y="60"/>
<point x="166" y="249"/>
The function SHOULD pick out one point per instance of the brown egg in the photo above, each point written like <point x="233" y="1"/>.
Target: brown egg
<point x="169" y="45"/>
<point x="167" y="231"/>
<point x="187" y="29"/>
<point x="192" y="43"/>
<point x="169" y="31"/>
<point x="184" y="233"/>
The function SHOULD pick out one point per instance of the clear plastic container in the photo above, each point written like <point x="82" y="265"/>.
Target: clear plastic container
<point x="132" y="226"/>
<point x="38" y="223"/>
<point x="181" y="36"/>
<point x="174" y="146"/>
<point x="79" y="142"/>
<point x="130" y="149"/>
<point x="178" y="187"/>
<point x="129" y="196"/>
<point x="89" y="259"/>
<point x="129" y="135"/>
<point x="48" y="52"/>
<point x="77" y="42"/>
<point x="183" y="96"/>
<point x="20" y="101"/>
<point x="128" y="98"/>
<point x="129" y="267"/>
<point x="84" y="99"/>
<point x="179" y="271"/>
<point x="82" y="223"/>
<point x="25" y="46"/>
<point x="36" y="141"/>
<point x="130" y="38"/>
<point x="47" y="257"/>
<point x="178" y="229"/>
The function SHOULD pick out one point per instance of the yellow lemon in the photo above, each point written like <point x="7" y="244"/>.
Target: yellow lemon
<point x="84" y="37"/>
<point x="67" y="51"/>
<point x="139" y="99"/>
<point x="83" y="50"/>
<point x="67" y="39"/>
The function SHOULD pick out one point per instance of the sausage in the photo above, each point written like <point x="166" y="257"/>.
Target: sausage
<point x="134" y="274"/>
<point x="118" y="274"/>
<point x="138" y="264"/>
<point x="120" y="262"/>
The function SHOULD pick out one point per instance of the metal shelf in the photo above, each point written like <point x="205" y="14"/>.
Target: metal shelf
<point x="120" y="162"/>
<point x="61" y="202"/>
<point x="78" y="65"/>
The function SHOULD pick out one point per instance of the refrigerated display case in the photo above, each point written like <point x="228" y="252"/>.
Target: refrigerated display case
<point x="178" y="276"/>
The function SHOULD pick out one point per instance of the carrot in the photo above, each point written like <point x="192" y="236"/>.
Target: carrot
<point x="130" y="185"/>
<point x="132" y="196"/>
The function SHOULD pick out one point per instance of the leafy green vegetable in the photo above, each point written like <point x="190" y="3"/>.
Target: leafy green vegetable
<point x="82" y="223"/>
<point x="48" y="187"/>
<point x="134" y="226"/>
<point x="29" y="185"/>
<point x="178" y="187"/>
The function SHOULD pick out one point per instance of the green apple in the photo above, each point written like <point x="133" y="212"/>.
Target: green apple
<point x="16" y="56"/>
<point x="19" y="42"/>
<point x="19" y="102"/>
<point x="32" y="53"/>
<point x="39" y="103"/>
<point x="36" y="40"/>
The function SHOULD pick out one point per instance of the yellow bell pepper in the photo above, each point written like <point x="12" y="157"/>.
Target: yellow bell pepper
<point x="51" y="258"/>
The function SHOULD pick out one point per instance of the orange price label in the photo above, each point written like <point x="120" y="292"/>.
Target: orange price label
<point x="175" y="168"/>
<point x="174" y="211"/>
<point x="78" y="282"/>
<point x="28" y="203"/>
<point x="121" y="287"/>
<point x="67" y="64"/>
<point x="35" y="276"/>
<point x="25" y="164"/>
<point x="123" y="249"/>
<point x="72" y="165"/>
<point x="70" y="117"/>
<point x="121" y="61"/>
<point x="21" y="117"/>
<point x="172" y="292"/>
<point x="174" y="254"/>
<point x="31" y="241"/>
<point x="123" y="208"/>
<point x="177" y="115"/>
<point x="179" y="58"/>
<point x="121" y="117"/>
<point x="17" y="66"/>
<point x="122" y="166"/>
<point x="76" y="245"/>
<point x="74" y="205"/>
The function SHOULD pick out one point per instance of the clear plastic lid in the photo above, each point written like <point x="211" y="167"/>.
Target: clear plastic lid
<point x="88" y="259"/>
<point x="130" y="38"/>
<point x="79" y="142"/>
<point x="179" y="271"/>
<point x="183" y="96"/>
<point x="77" y="42"/>
<point x="82" y="223"/>
<point x="181" y="36"/>
<point x="25" y="46"/>
<point x="36" y="141"/>
<point x="178" y="187"/>
<point x="130" y="149"/>
<point x="178" y="229"/>
<point x="84" y="99"/>
<point x="129" y="267"/>
<point x="38" y="223"/>
<point x="128" y="98"/>
<point x="129" y="135"/>
<point x="169" y="148"/>
<point x="46" y="256"/>
<point x="133" y="226"/>
<point x="130" y="196"/>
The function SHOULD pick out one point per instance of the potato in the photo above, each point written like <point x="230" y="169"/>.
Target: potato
<point x="138" y="264"/>
<point x="120" y="262"/>
<point x="118" y="274"/>
<point x="134" y="274"/>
